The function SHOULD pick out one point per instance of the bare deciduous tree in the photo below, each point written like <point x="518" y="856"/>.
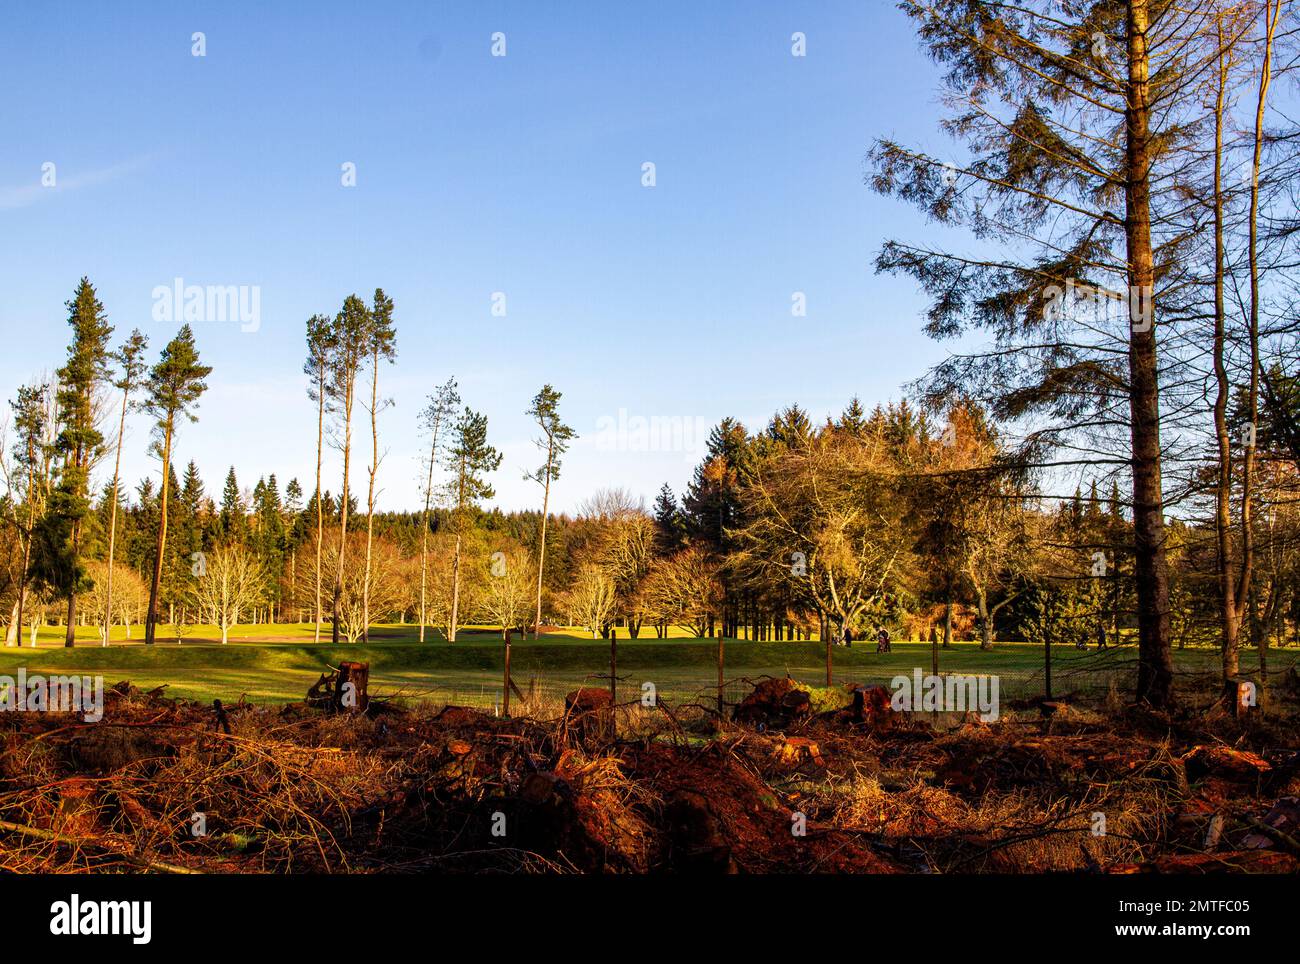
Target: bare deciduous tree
<point x="507" y="588"/>
<point x="683" y="590"/>
<point x="229" y="583"/>
<point x="591" y="599"/>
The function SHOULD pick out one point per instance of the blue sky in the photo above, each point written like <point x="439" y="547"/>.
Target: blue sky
<point x="475" y="174"/>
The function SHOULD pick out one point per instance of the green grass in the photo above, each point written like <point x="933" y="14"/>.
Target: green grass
<point x="277" y="663"/>
<point x="53" y="636"/>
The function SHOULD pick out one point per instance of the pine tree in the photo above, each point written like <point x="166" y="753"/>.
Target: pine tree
<point x="318" y="368"/>
<point x="790" y="428"/>
<point x="31" y="423"/>
<point x="1075" y="117"/>
<point x="175" y="386"/>
<point x="670" y="530"/>
<point x="469" y="457"/>
<point x="176" y="565"/>
<point x="131" y="370"/>
<point x="853" y="419"/>
<point x="441" y="406"/>
<point x="144" y="528"/>
<point x="79" y="441"/>
<point x="545" y="411"/>
<point x="192" y="490"/>
<point x="350" y="338"/>
<point x="233" y="519"/>
<point x="382" y="344"/>
<point x="188" y="529"/>
<point x="711" y="501"/>
<point x="711" y="505"/>
<point x="270" y="539"/>
<point x="295" y="532"/>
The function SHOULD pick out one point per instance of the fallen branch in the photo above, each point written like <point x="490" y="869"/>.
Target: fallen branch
<point x="66" y="840"/>
<point x="1287" y="841"/>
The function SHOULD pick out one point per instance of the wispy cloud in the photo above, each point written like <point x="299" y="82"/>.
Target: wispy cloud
<point x="27" y="194"/>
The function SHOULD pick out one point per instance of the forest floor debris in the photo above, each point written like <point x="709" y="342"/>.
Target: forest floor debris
<point x="789" y="785"/>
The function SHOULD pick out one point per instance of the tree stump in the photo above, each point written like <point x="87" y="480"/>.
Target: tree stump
<point x="351" y="688"/>
<point x="1241" y="695"/>
<point x="590" y="713"/>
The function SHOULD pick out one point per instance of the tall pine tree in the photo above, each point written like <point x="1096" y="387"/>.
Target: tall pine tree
<point x="175" y="385"/>
<point x="79" y="440"/>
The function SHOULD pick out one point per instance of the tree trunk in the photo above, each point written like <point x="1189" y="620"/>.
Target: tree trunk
<point x="455" y="592"/>
<point x="986" y="622"/>
<point x="1155" y="661"/>
<point x="1245" y="589"/>
<point x="151" y="617"/>
<point x="424" y="532"/>
<point x="112" y="521"/>
<point x="70" y="636"/>
<point x="541" y="546"/>
<point x="343" y="511"/>
<point x="320" y="510"/>
<point x="22" y="576"/>
<point x="370" y="496"/>
<point x="1228" y="612"/>
<point x="455" y="566"/>
<point x="27" y="541"/>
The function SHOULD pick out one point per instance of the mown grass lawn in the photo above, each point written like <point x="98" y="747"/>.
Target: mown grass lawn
<point x="277" y="663"/>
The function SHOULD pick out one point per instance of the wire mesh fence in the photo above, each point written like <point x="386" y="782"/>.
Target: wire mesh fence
<point x="540" y="692"/>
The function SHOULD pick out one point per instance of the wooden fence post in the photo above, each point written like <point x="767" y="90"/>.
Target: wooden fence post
<point x="720" y="664"/>
<point x="505" y="686"/>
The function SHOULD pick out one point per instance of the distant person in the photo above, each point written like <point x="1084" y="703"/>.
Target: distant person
<point x="882" y="641"/>
<point x="848" y="637"/>
<point x="1101" y="636"/>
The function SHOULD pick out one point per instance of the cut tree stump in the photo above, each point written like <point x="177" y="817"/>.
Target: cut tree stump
<point x="796" y="750"/>
<point x="351" y="688"/>
<point x="1240" y="693"/>
<point x="589" y="713"/>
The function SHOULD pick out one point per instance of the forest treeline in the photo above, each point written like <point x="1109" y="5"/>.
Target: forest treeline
<point x="1111" y="454"/>
<point x="887" y="519"/>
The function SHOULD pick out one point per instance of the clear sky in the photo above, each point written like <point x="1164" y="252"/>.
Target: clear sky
<point x="475" y="174"/>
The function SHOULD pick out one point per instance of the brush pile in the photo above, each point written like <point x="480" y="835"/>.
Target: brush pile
<point x="176" y="786"/>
